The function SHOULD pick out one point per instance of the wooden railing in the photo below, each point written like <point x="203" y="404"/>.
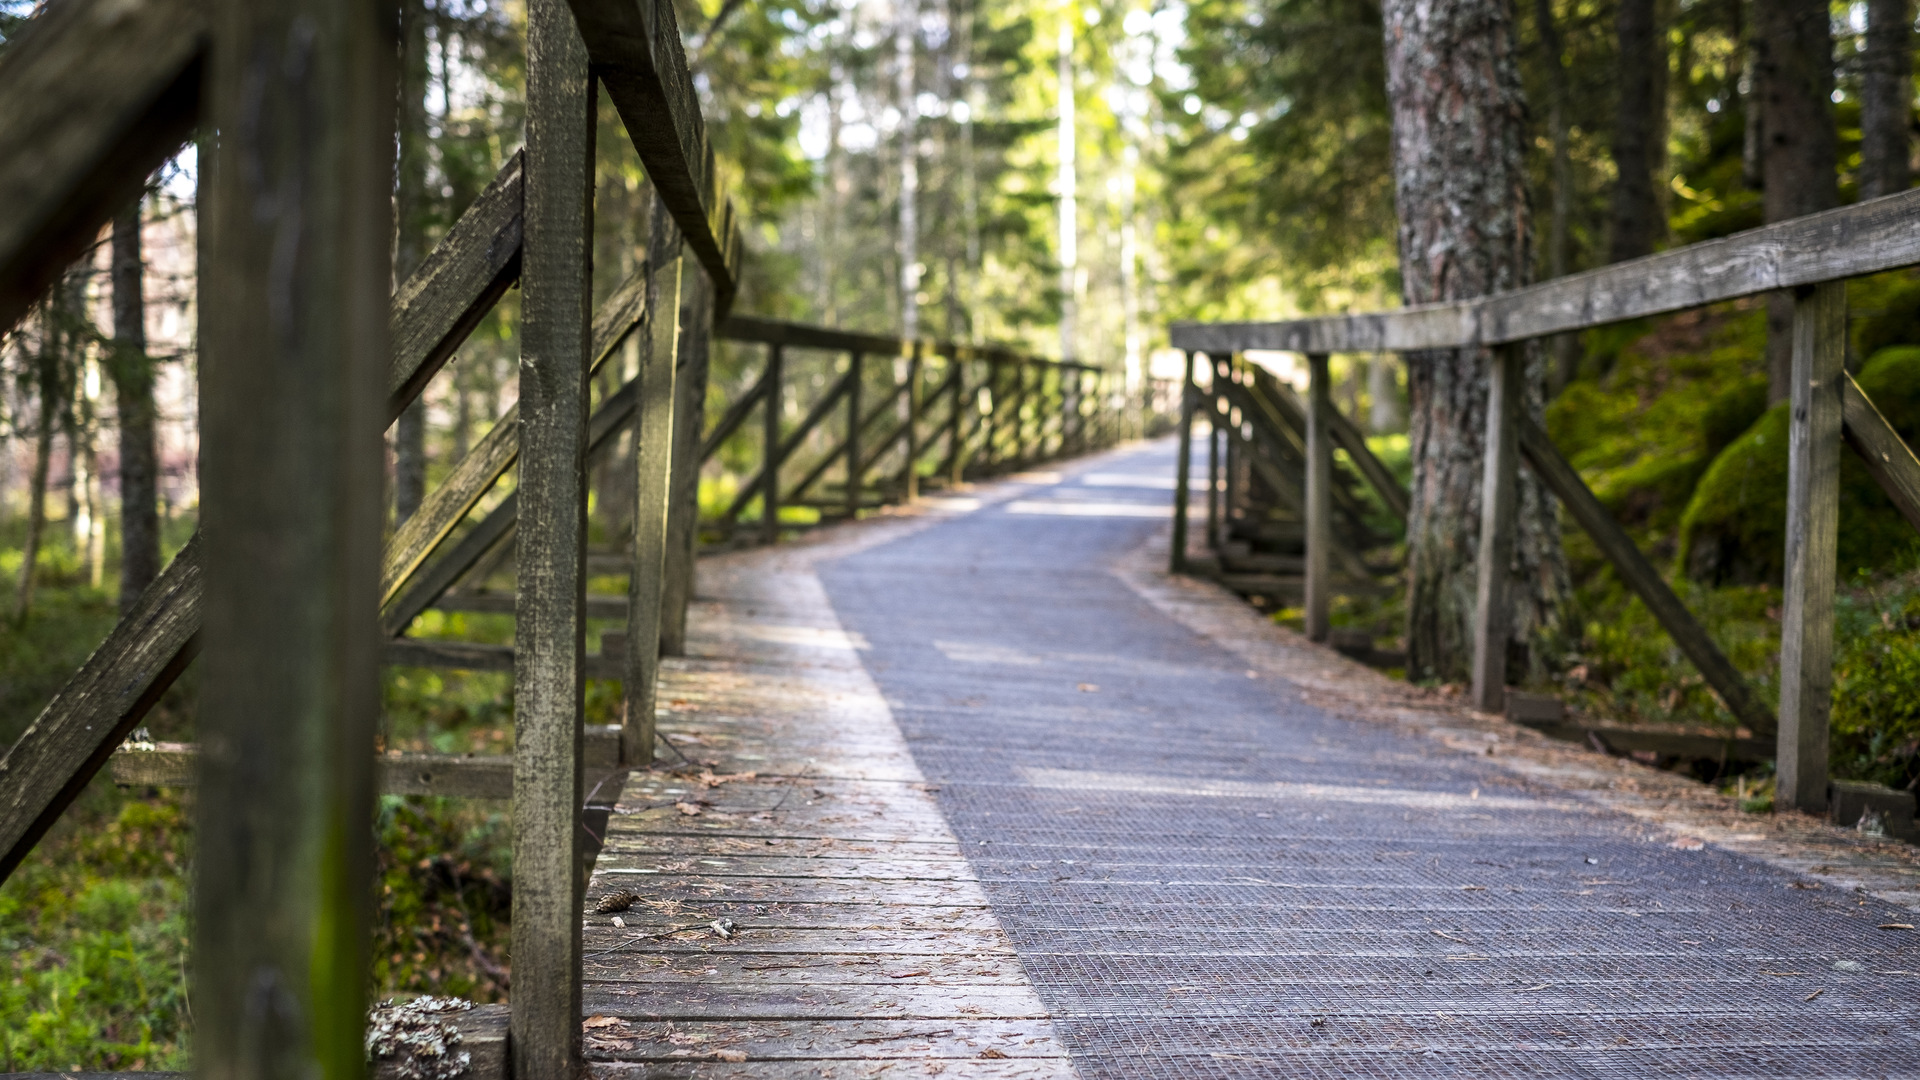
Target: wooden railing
<point x="1812" y="256"/>
<point x="915" y="412"/>
<point x="304" y="360"/>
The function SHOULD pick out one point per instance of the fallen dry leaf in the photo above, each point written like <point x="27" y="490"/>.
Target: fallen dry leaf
<point x="990" y="1052"/>
<point x="1686" y="843"/>
<point x="602" y="1022"/>
<point x="687" y="808"/>
<point x="711" y="780"/>
<point x="906" y="974"/>
<point x="730" y="1055"/>
<point x="1896" y="926"/>
<point x="1089" y="688"/>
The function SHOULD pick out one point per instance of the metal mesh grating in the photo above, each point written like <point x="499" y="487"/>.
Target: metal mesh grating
<point x="1519" y="933"/>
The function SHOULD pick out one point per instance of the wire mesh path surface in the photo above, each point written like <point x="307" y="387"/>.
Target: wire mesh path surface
<point x="1205" y="848"/>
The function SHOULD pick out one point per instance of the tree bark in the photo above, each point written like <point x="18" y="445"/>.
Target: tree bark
<point x="132" y="373"/>
<point x="410" y="242"/>
<point x="1886" y="95"/>
<point x="1637" y="128"/>
<point x="1793" y="76"/>
<point x="47" y="379"/>
<point x="1460" y="179"/>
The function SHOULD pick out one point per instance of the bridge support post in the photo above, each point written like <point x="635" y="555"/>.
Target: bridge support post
<point x="1499" y="490"/>
<point x="294" y="365"/>
<point x="1177" y="558"/>
<point x="653" y="439"/>
<point x="683" y="522"/>
<point x="556" y="290"/>
<point x="956" y="417"/>
<point x="1019" y="413"/>
<point x="853" y="434"/>
<point x="1813" y="526"/>
<point x="770" y="474"/>
<point x="1319" y="496"/>
<point x="914" y="404"/>
<point x="1213" y="482"/>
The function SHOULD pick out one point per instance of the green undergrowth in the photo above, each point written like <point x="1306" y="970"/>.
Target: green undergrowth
<point x="68" y="619"/>
<point x="94" y="925"/>
<point x="1668" y="423"/>
<point x="93" y="941"/>
<point x="446" y="892"/>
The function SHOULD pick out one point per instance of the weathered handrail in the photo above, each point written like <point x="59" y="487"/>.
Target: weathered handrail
<point x="1851" y="241"/>
<point x="99" y="93"/>
<point x="1812" y="256"/>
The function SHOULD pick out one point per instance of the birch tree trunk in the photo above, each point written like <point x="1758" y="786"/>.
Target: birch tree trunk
<point x="1453" y="86"/>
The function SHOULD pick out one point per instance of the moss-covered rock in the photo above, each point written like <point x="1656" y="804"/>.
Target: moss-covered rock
<point x="1734" y="528"/>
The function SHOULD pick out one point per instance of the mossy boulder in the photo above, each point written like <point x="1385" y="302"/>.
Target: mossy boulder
<point x="1734" y="528"/>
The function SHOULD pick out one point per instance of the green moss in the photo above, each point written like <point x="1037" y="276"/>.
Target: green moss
<point x="1889" y="309"/>
<point x="1657" y="402"/>
<point x="1734" y="528"/>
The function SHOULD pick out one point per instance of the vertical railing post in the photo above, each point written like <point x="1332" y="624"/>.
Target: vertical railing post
<point x="912" y="486"/>
<point x="1220" y="412"/>
<point x="770" y="473"/>
<point x="689" y="424"/>
<point x="1499" y="500"/>
<point x="1019" y="413"/>
<point x="1813" y="522"/>
<point x="653" y="439"/>
<point x="1067" y="378"/>
<point x="956" y="431"/>
<point x="1177" y="558"/>
<point x="1213" y="482"/>
<point x="551" y="541"/>
<point x="292" y="393"/>
<point x="1319" y="496"/>
<point x="853" y="434"/>
<point x="989" y="423"/>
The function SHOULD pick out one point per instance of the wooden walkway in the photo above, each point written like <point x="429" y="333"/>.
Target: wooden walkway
<point x="802" y="908"/>
<point x="1019" y="793"/>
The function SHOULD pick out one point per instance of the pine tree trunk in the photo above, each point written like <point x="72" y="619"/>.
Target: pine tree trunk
<point x="132" y="373"/>
<point x="1461" y="186"/>
<point x="47" y="378"/>
<point x="1563" y="348"/>
<point x="1637" y="129"/>
<point x="1793" y="76"/>
<point x="1886" y="95"/>
<point x="410" y="432"/>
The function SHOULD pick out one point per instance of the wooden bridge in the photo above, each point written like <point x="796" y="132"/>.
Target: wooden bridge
<point x="972" y="786"/>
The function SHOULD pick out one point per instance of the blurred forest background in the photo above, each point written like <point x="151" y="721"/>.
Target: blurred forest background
<point x="1067" y="176"/>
